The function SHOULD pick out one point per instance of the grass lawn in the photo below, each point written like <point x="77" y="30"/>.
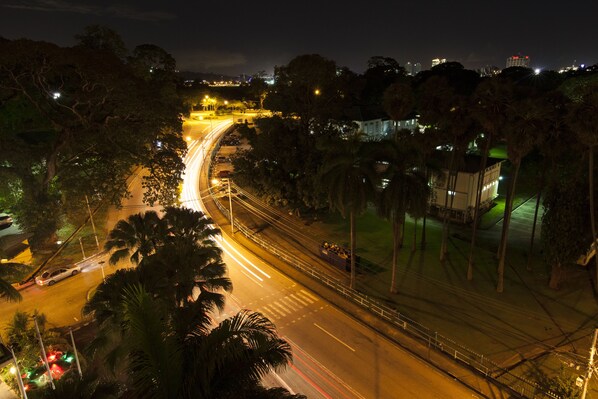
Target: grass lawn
<point x="527" y="321"/>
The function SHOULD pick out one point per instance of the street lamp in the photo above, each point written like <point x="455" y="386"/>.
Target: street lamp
<point x="93" y="226"/>
<point x="216" y="182"/>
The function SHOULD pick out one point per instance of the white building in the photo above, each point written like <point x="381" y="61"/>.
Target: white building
<point x="381" y="128"/>
<point x="462" y="198"/>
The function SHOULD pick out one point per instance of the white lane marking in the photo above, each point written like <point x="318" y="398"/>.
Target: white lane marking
<point x="330" y="334"/>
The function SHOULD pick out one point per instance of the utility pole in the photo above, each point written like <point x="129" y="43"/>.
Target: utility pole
<point x="93" y="226"/>
<point x="76" y="354"/>
<point x="230" y="205"/>
<point x="18" y="372"/>
<point x="45" y="357"/>
<point x="590" y="365"/>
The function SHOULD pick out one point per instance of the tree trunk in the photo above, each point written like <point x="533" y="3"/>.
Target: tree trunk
<point x="592" y="213"/>
<point x="422" y="243"/>
<point x="531" y="242"/>
<point x="476" y="212"/>
<point x="555" y="276"/>
<point x="353" y="245"/>
<point x="397" y="229"/>
<point x="414" y="244"/>
<point x="443" y="244"/>
<point x="505" y="228"/>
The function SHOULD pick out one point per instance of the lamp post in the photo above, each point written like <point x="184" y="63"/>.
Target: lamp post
<point x="82" y="251"/>
<point x="41" y="344"/>
<point x="93" y="226"/>
<point x="230" y="201"/>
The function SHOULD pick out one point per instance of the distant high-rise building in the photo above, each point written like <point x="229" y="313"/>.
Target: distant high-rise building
<point x="438" y="61"/>
<point x="518" y="61"/>
<point x="417" y="68"/>
<point x="413" y="69"/>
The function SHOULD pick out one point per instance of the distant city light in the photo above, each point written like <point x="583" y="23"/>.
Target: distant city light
<point x="56" y="95"/>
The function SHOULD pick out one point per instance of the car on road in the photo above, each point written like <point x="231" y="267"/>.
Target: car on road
<point x="53" y="275"/>
<point x="5" y="221"/>
<point x="223" y="174"/>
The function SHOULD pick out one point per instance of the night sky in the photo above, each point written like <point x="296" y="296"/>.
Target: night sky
<point x="233" y="37"/>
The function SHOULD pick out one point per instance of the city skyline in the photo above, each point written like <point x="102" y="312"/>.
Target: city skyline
<point x="234" y="37"/>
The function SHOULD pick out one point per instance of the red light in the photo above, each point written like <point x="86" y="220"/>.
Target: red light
<point x="515" y="57"/>
<point x="526" y="56"/>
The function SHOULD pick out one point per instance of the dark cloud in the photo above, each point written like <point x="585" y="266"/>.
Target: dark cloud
<point x="116" y="11"/>
<point x="236" y="36"/>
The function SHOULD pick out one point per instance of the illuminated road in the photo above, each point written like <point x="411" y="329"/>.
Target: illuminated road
<point x="334" y="355"/>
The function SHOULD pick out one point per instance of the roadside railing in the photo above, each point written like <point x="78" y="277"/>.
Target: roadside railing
<point x="457" y="352"/>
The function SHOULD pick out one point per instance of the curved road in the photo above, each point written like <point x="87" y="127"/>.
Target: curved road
<point x="334" y="355"/>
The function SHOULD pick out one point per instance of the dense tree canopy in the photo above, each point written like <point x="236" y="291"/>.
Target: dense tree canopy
<point x="75" y="121"/>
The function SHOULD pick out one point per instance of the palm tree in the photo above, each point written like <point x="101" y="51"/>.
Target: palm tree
<point x="490" y="102"/>
<point x="180" y="268"/>
<point x="90" y="386"/>
<point x="448" y="114"/>
<point x="190" y="224"/>
<point x="200" y="361"/>
<point x="583" y="119"/>
<point x="348" y="176"/>
<point x="136" y="237"/>
<point x="407" y="188"/>
<point x="528" y="119"/>
<point x="399" y="102"/>
<point x="8" y="292"/>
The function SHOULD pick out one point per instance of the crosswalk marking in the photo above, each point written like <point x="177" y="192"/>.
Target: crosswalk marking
<point x="290" y="303"/>
<point x="287" y="305"/>
<point x="283" y="310"/>
<point x="266" y="312"/>
<point x="301" y="301"/>
<point x="308" y="295"/>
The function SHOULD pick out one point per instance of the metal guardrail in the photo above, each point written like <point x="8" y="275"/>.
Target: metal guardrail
<point x="459" y="353"/>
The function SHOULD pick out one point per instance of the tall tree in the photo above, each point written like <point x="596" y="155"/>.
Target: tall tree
<point x="444" y="108"/>
<point x="583" y="120"/>
<point x="81" y="119"/>
<point x="490" y="102"/>
<point x="399" y="102"/>
<point x="406" y="188"/>
<point x="348" y="176"/>
<point x="528" y="118"/>
<point x="137" y="237"/>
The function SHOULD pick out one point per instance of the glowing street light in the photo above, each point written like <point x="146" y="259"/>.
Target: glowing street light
<point x="317" y="92"/>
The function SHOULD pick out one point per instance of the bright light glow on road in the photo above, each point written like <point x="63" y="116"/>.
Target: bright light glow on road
<point x="191" y="195"/>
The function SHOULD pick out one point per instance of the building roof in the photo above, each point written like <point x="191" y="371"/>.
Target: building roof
<point x="468" y="163"/>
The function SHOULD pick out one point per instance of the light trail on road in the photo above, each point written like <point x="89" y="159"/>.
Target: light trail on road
<point x="367" y="366"/>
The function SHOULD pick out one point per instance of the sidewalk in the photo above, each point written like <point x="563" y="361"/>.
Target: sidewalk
<point x="6" y="392"/>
